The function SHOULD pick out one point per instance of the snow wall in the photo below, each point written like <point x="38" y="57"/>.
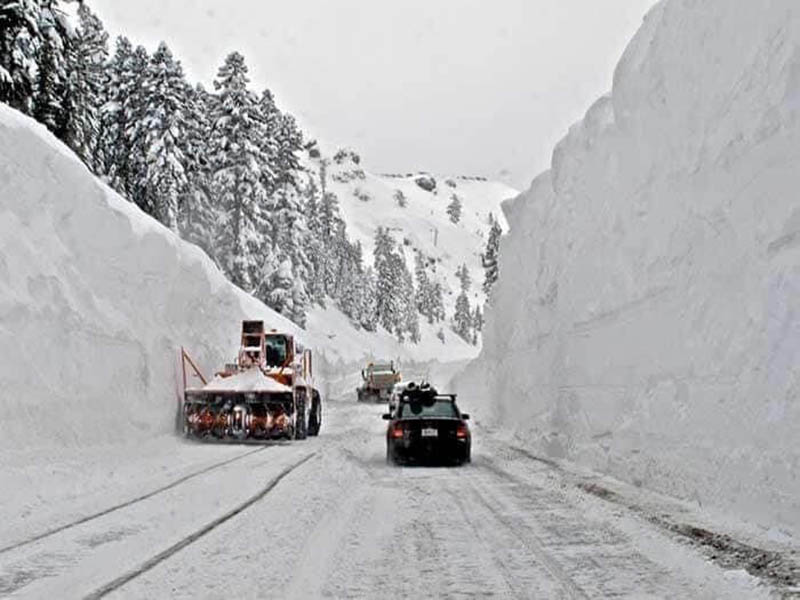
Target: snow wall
<point x="647" y="318"/>
<point x="95" y="300"/>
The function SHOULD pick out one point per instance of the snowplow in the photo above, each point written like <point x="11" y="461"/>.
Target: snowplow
<point x="267" y="393"/>
<point x="379" y="380"/>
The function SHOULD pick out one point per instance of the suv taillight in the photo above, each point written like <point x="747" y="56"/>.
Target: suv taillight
<point x="396" y="431"/>
<point x="462" y="431"/>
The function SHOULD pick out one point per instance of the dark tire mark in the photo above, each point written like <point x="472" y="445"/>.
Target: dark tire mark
<point x="777" y="569"/>
<point x="127" y="503"/>
<point x="545" y="461"/>
<point x="781" y="570"/>
<point x="190" y="539"/>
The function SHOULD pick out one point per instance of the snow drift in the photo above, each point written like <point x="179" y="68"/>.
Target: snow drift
<point x="647" y="318"/>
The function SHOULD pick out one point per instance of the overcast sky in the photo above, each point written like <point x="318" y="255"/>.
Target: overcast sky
<point x="484" y="87"/>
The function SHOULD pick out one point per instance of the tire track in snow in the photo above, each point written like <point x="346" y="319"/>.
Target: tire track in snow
<point x="515" y="589"/>
<point x="529" y="541"/>
<point x="51" y="532"/>
<point x="190" y="539"/>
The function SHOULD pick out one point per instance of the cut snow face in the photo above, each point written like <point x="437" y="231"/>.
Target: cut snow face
<point x="647" y="317"/>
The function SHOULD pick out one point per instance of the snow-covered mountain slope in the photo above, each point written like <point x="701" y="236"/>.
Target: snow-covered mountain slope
<point x="369" y="201"/>
<point x="647" y="317"/>
<point x="331" y="331"/>
<point x="96" y="298"/>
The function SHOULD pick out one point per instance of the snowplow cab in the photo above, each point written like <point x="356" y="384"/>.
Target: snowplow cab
<point x="279" y="349"/>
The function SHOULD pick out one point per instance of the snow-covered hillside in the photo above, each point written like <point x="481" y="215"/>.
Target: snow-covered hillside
<point x="647" y="317"/>
<point x="96" y="298"/>
<point x="414" y="207"/>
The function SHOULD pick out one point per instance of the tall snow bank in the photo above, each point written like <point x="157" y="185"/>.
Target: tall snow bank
<point x="647" y="318"/>
<point x="95" y="299"/>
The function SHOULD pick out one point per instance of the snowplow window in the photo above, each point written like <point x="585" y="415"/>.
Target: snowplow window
<point x="419" y="410"/>
<point x="277" y="351"/>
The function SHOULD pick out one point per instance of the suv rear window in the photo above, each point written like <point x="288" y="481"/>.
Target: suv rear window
<point x="418" y="410"/>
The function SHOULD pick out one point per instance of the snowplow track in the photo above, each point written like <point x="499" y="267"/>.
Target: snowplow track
<point x="193" y="537"/>
<point x="50" y="532"/>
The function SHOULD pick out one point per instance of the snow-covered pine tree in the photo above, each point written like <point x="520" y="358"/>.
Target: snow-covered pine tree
<point x="437" y="302"/>
<point x="330" y="223"/>
<point x="477" y="318"/>
<point x="462" y="319"/>
<point x="386" y="277"/>
<point x="490" y="257"/>
<point x="368" y="316"/>
<point x="350" y="300"/>
<point x="114" y="114"/>
<point x="464" y="278"/>
<point x="163" y="131"/>
<point x="423" y="288"/>
<point x="289" y="228"/>
<point x="281" y="294"/>
<point x="299" y="303"/>
<point x="198" y="212"/>
<point x="323" y="176"/>
<point x="56" y="36"/>
<point x="237" y="163"/>
<point x="290" y="144"/>
<point x="315" y="246"/>
<point x="86" y="59"/>
<point x="19" y="43"/>
<point x="133" y="105"/>
<point x="266" y="265"/>
<point x="409" y="322"/>
<point x="477" y="324"/>
<point x="343" y="264"/>
<point x="48" y="105"/>
<point x="329" y="214"/>
<point x="269" y="124"/>
<point x="290" y="235"/>
<point x="454" y="208"/>
<point x="429" y="300"/>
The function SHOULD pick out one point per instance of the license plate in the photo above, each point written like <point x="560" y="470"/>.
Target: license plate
<point x="430" y="433"/>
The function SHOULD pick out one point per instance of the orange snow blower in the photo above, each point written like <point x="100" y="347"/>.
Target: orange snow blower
<point x="268" y="393"/>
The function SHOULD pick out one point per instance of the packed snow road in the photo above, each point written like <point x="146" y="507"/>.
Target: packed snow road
<point x="329" y="518"/>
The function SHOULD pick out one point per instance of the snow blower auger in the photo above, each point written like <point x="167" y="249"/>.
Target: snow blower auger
<point x="268" y="393"/>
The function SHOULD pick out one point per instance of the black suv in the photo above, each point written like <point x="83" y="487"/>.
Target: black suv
<point x="428" y="427"/>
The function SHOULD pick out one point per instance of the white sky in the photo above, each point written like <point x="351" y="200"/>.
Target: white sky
<point x="479" y="87"/>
